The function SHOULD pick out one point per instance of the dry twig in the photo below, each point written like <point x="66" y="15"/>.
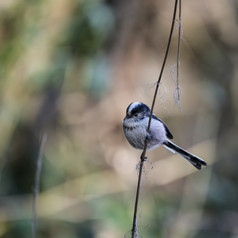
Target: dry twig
<point x="134" y="233"/>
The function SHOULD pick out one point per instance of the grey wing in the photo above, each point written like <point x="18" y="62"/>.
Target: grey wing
<point x="168" y="133"/>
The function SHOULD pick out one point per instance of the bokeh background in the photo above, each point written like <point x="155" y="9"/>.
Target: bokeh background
<point x="69" y="69"/>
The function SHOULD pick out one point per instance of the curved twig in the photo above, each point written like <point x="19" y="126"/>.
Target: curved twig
<point x="143" y="157"/>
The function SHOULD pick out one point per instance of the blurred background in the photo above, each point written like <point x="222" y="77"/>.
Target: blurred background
<point x="69" y="69"/>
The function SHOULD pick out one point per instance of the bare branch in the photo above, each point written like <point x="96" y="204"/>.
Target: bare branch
<point x="177" y="90"/>
<point x="143" y="157"/>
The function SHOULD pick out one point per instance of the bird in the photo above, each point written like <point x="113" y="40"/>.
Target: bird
<point x="135" y="126"/>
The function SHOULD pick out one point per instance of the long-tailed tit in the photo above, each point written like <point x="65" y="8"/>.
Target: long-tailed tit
<point x="135" y="126"/>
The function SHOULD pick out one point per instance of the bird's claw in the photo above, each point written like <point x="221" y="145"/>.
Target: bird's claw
<point x="143" y="158"/>
<point x="148" y="137"/>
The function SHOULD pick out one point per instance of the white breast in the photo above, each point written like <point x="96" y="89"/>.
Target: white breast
<point x="136" y="132"/>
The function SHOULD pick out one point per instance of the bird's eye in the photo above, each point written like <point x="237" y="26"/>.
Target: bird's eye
<point x="136" y="114"/>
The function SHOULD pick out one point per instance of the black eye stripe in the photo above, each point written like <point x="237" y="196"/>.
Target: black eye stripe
<point x="135" y="110"/>
<point x="140" y="108"/>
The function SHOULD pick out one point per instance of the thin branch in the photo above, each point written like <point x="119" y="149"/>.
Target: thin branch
<point x="143" y="157"/>
<point x="134" y="227"/>
<point x="177" y="91"/>
<point x="37" y="183"/>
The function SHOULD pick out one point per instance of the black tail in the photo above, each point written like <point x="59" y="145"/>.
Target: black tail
<point x="194" y="160"/>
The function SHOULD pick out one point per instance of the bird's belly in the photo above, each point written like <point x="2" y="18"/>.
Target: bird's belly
<point x="137" y="139"/>
<point x="136" y="135"/>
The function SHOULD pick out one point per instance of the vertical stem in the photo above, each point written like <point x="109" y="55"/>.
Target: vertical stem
<point x="178" y="52"/>
<point x="143" y="157"/>
<point x="37" y="183"/>
<point x="134" y="227"/>
<point x="163" y="65"/>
